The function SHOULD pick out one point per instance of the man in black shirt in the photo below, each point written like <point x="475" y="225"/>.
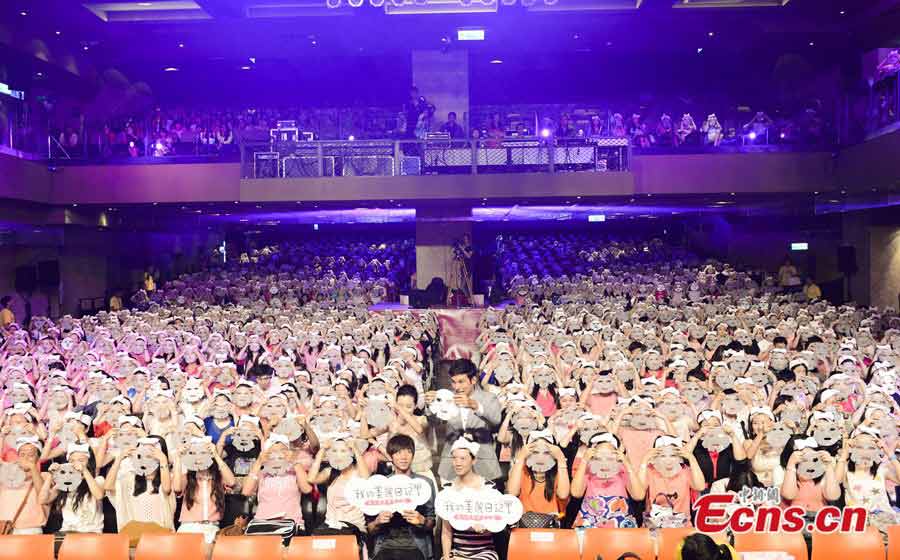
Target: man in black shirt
<point x="406" y="535"/>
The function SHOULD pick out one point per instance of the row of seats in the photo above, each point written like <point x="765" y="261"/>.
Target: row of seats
<point x="524" y="544"/>
<point x="609" y="544"/>
<point x="169" y="546"/>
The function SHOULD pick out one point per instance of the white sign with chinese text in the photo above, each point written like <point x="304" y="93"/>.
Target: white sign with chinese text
<point x="482" y="508"/>
<point x="378" y="493"/>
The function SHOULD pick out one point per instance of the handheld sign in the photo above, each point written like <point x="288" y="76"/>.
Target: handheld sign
<point x="378" y="493"/>
<point x="485" y="507"/>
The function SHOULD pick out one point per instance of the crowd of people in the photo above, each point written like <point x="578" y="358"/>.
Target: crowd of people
<point x="611" y="396"/>
<point x="211" y="131"/>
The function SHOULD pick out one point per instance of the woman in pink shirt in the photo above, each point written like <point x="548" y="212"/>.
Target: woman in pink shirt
<point x="203" y="493"/>
<point x="605" y="478"/>
<point x="809" y="476"/>
<point x="33" y="516"/>
<point x="669" y="471"/>
<point x="277" y="482"/>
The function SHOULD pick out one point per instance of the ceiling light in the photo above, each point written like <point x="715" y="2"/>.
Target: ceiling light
<point x="843" y="12"/>
<point x="252" y="60"/>
<point x="245" y="68"/>
<point x="85" y="47"/>
<point x="711" y="33"/>
<point x="58" y="33"/>
<point x="180" y="45"/>
<point x="23" y="13"/>
<point x="812" y="44"/>
<point x="699" y="50"/>
<point x="496" y="61"/>
<point x="145" y="4"/>
<point x="170" y="69"/>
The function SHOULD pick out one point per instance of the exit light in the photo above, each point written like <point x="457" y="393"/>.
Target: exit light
<point x="799" y="246"/>
<point x="597" y="218"/>
<point x="470" y="34"/>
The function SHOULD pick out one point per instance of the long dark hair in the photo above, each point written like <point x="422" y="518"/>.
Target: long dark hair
<point x="140" y="481"/>
<point x="81" y="493"/>
<point x="218" y="488"/>
<point x="549" y="483"/>
<point x="551" y="388"/>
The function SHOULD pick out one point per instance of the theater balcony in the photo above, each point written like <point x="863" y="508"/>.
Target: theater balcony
<point x="531" y="169"/>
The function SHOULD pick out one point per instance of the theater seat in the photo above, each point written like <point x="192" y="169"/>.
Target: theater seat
<point x="792" y="543"/>
<point x="32" y="547"/>
<point x="527" y="544"/>
<point x="337" y="547"/>
<point x="91" y="546"/>
<point x="893" y="550"/>
<point x="667" y="540"/>
<point x="184" y="546"/>
<point x="262" y="547"/>
<point x="867" y="545"/>
<point x="612" y="543"/>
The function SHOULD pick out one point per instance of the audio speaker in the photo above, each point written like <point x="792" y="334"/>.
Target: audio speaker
<point x="26" y="279"/>
<point x="48" y="274"/>
<point x="847" y="259"/>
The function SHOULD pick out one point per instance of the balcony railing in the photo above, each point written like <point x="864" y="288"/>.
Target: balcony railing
<point x="290" y="160"/>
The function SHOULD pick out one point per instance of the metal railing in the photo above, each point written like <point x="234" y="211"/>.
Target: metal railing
<point x="433" y="157"/>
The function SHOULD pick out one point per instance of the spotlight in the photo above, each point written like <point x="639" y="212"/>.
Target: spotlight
<point x="545" y="133"/>
<point x="170" y="69"/>
<point x="782" y="135"/>
<point x="245" y="68"/>
<point x="58" y="33"/>
<point x="180" y="45"/>
<point x="699" y="50"/>
<point x="23" y="13"/>
<point x="496" y="61"/>
<point x="752" y="136"/>
<point x="351" y="138"/>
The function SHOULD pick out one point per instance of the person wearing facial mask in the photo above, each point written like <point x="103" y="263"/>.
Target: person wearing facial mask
<point x="81" y="509"/>
<point x="19" y="421"/>
<point x="716" y="447"/>
<point x="637" y="439"/>
<point x="539" y="477"/>
<point x="75" y="424"/>
<point x="26" y="495"/>
<point x="139" y="495"/>
<point x="336" y="463"/>
<point x="475" y="543"/>
<point x="865" y="465"/>
<point x="601" y="392"/>
<point x="668" y="481"/>
<point x="277" y="483"/>
<point x="810" y="480"/>
<point x="764" y="455"/>
<point x="203" y="492"/>
<point x="220" y="415"/>
<point x="604" y="480"/>
<point x="414" y="425"/>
